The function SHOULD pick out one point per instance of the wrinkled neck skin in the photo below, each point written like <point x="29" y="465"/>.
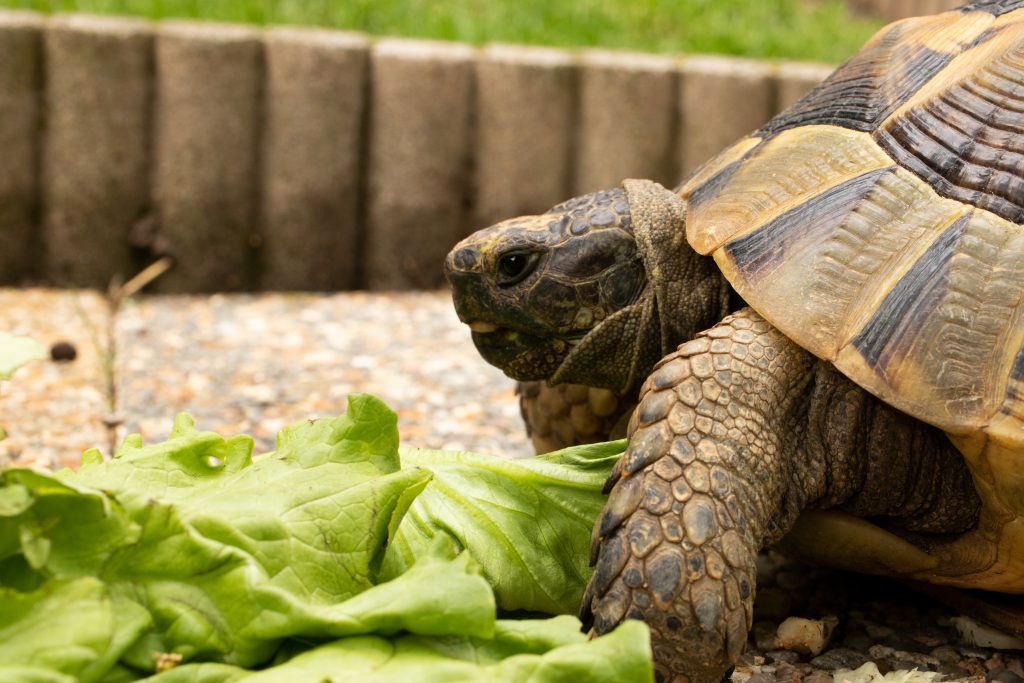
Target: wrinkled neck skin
<point x="685" y="294"/>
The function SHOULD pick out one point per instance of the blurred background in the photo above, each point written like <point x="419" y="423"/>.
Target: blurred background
<point x="352" y="149"/>
<point x="336" y="149"/>
<point x="825" y="30"/>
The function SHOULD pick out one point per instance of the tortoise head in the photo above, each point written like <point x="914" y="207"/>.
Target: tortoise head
<point x="570" y="295"/>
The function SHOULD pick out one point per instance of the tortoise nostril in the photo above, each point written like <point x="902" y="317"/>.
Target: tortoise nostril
<point x="466" y="258"/>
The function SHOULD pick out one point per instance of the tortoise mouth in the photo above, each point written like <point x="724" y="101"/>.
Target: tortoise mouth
<point x="482" y="327"/>
<point x="521" y="355"/>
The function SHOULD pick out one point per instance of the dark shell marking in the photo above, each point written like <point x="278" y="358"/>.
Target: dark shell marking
<point x="760" y="252"/>
<point x="968" y="142"/>
<point x="897" y="323"/>
<point x="965" y="140"/>
<point x="867" y="88"/>
<point x="994" y="7"/>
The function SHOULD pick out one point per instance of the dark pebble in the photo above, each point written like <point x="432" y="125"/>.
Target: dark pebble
<point x="1003" y="676"/>
<point x="945" y="654"/>
<point x="63" y="352"/>
<point x="839" y="658"/>
<point x="896" y="664"/>
<point x="898" y="641"/>
<point x="951" y="670"/>
<point x="787" y="656"/>
<point x="761" y="678"/>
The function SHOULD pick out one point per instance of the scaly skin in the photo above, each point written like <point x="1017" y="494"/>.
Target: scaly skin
<point x="699" y="491"/>
<point x="736" y="433"/>
<point x="738" y="430"/>
<point x="566" y="415"/>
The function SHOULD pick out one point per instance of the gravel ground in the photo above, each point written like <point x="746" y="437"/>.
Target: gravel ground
<point x="54" y="411"/>
<point x="256" y="363"/>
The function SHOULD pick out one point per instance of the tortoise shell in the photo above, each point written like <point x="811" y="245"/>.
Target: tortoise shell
<point x="878" y="221"/>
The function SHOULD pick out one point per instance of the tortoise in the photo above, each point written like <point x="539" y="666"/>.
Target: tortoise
<point x="823" y="328"/>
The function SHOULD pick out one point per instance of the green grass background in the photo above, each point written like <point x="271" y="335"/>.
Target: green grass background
<point x="822" y="30"/>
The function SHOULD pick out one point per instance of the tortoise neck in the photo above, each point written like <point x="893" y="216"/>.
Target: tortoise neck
<point x="690" y="294"/>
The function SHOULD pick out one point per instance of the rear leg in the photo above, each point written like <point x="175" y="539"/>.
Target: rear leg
<point x="566" y="415"/>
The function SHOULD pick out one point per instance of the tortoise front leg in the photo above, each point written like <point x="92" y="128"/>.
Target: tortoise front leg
<point x="705" y="483"/>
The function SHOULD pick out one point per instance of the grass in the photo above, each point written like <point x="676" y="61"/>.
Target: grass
<point x="822" y="30"/>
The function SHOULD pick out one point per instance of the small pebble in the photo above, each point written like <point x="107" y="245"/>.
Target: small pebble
<point x="787" y="673"/>
<point x="839" y="658"/>
<point x="787" y="656"/>
<point x="880" y="651"/>
<point x="807" y="636"/>
<point x="945" y="654"/>
<point x="898" y="641"/>
<point x="63" y="352"/>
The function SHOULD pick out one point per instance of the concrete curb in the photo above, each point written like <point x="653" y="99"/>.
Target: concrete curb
<point x="312" y="157"/>
<point x="627" y="119"/>
<point x="721" y="100"/>
<point x="20" y="85"/>
<point x="525" y="101"/>
<point x="96" y="148"/>
<point x="306" y="159"/>
<point x="209" y="83"/>
<point x="420" y="146"/>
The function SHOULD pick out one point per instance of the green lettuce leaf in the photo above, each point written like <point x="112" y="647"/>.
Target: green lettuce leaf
<point x="229" y="554"/>
<point x="66" y="630"/>
<point x="527" y="522"/>
<point x="322" y="557"/>
<point x="525" y="651"/>
<point x="15" y="352"/>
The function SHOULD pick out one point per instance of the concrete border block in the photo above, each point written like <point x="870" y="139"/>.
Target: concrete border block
<point x="796" y="79"/>
<point x="525" y="108"/>
<point x="420" y="141"/>
<point x="96" y="148"/>
<point x="721" y="100"/>
<point x="209" y="102"/>
<point x="20" y="85"/>
<point x="627" y="122"/>
<point x="311" y="161"/>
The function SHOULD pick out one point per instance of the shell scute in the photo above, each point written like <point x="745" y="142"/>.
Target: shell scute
<point x="895" y="64"/>
<point x="878" y="222"/>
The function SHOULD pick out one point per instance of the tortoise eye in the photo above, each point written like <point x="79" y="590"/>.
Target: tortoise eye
<point x="515" y="266"/>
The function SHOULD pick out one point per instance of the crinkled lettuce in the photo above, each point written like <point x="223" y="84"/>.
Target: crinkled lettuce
<point x="331" y="558"/>
<point x="15" y="352"/>
<point x="527" y="522"/>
